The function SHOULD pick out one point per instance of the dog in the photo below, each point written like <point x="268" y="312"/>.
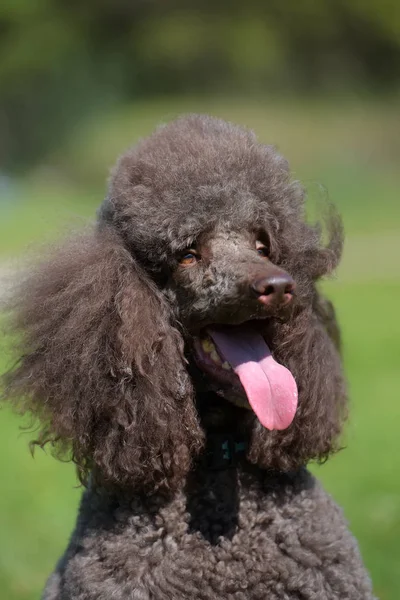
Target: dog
<point x="181" y="354"/>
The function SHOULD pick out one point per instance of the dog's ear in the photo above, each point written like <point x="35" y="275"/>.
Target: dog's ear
<point x="101" y="364"/>
<point x="309" y="347"/>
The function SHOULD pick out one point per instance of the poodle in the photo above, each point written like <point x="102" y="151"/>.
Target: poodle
<point x="181" y="355"/>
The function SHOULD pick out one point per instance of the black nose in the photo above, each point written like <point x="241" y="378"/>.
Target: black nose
<point x="276" y="289"/>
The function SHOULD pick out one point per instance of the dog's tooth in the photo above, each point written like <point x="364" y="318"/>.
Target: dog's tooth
<point x="226" y="366"/>
<point x="215" y="357"/>
<point x="207" y="345"/>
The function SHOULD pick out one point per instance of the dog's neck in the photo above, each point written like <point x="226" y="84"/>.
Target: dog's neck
<point x="226" y="427"/>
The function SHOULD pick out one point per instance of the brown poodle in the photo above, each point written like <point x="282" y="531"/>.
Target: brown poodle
<point x="182" y="356"/>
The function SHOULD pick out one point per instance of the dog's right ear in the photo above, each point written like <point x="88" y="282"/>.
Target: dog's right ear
<point x="101" y="364"/>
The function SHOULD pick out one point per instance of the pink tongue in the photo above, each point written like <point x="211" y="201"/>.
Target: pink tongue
<point x="269" y="386"/>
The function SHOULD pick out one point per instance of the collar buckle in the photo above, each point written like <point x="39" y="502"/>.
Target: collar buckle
<point x="224" y="451"/>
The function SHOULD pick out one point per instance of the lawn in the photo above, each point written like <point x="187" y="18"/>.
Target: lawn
<point x="353" y="152"/>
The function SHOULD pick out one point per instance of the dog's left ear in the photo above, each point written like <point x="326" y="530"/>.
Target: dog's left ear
<point x="309" y="346"/>
<point x="101" y="364"/>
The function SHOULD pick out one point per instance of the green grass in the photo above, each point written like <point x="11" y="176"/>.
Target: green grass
<point x="38" y="503"/>
<point x="364" y="477"/>
<point x="40" y="214"/>
<point x="352" y="151"/>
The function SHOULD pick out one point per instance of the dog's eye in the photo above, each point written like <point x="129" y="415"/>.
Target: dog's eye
<point x="189" y="258"/>
<point x="261" y="249"/>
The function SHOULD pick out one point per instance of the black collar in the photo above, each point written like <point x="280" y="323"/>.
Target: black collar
<point x="224" y="451"/>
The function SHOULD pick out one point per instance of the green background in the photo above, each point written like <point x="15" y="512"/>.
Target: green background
<point x="346" y="149"/>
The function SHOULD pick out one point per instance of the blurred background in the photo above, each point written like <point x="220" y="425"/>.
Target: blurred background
<point x="82" y="80"/>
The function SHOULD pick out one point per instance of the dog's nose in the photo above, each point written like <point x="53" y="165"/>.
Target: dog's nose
<point x="274" y="290"/>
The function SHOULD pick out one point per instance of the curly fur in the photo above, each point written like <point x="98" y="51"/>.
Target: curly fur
<point x="104" y="331"/>
<point x="85" y="375"/>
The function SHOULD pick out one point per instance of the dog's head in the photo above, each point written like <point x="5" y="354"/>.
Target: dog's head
<point x="200" y="275"/>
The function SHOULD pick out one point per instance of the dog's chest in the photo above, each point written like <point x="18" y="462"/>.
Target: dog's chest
<point x="206" y="545"/>
<point x="224" y="541"/>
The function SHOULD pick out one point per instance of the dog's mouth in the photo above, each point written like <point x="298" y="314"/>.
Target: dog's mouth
<point x="239" y="361"/>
